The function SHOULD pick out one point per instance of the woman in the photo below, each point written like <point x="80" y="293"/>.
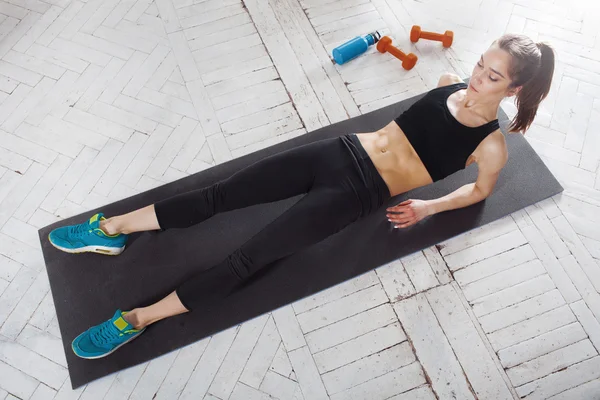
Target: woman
<point x="344" y="179"/>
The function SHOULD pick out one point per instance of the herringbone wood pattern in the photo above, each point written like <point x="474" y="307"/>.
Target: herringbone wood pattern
<point x="102" y="99"/>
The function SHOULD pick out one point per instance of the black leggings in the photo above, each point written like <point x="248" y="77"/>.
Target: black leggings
<point x="341" y="185"/>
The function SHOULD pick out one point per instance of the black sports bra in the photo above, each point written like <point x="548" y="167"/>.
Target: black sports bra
<point x="442" y="143"/>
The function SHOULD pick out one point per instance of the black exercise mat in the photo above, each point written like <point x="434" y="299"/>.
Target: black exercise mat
<point x="87" y="288"/>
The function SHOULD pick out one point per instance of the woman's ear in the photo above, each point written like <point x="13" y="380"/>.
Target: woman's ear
<point x="513" y="91"/>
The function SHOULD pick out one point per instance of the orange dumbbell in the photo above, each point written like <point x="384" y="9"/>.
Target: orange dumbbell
<point x="416" y="33"/>
<point x="385" y="44"/>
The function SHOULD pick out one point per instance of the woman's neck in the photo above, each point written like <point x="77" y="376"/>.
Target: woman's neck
<point x="488" y="109"/>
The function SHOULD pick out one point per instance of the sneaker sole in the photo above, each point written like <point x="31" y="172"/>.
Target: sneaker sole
<point x="110" y="352"/>
<point x="109" y="251"/>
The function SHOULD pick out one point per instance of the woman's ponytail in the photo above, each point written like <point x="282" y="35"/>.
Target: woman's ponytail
<point x="532" y="68"/>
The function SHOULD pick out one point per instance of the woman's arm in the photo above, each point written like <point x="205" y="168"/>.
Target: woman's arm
<point x="462" y="197"/>
<point x="490" y="162"/>
<point x="490" y="158"/>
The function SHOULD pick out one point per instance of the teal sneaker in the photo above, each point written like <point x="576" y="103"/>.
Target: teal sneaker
<point x="102" y="340"/>
<point x="88" y="237"/>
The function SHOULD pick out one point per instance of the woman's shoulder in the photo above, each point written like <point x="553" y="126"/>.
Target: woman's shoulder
<point x="493" y="148"/>
<point x="447" y="84"/>
<point x="449" y="79"/>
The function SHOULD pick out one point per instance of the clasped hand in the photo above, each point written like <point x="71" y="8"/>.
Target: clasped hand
<point x="408" y="212"/>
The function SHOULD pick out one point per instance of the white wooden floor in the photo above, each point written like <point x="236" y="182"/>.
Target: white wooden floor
<point x="102" y="99"/>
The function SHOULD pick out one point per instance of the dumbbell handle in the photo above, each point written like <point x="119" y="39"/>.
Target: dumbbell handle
<point x="395" y="52"/>
<point x="430" y="35"/>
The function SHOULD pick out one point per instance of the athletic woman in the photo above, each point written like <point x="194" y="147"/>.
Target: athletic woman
<point x="343" y="179"/>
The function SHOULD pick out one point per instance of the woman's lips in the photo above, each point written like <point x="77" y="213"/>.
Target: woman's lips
<point x="476" y="91"/>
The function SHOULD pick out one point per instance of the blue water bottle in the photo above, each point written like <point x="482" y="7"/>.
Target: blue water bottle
<point x="355" y="47"/>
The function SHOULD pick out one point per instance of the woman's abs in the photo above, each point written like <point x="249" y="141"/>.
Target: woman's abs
<point x="395" y="159"/>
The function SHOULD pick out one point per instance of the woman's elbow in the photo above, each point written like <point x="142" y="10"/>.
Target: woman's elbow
<point x="482" y="193"/>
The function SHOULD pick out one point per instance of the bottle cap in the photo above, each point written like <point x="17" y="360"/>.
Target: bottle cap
<point x="376" y="36"/>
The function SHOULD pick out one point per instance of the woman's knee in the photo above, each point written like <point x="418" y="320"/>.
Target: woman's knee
<point x="240" y="265"/>
<point x="186" y="209"/>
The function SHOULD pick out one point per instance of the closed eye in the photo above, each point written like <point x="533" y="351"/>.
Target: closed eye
<point x="491" y="79"/>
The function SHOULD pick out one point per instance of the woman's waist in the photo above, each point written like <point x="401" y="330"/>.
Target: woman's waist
<point x="390" y="142"/>
<point x="395" y="158"/>
<point x="363" y="172"/>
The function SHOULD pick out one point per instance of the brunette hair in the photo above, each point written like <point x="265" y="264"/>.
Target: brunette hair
<point x="532" y="67"/>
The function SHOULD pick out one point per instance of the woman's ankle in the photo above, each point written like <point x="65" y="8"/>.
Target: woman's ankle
<point x="110" y="226"/>
<point x="134" y="319"/>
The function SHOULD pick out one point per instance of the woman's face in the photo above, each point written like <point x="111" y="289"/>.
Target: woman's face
<point x="490" y="76"/>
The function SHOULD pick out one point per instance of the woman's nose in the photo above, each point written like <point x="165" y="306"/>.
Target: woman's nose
<point x="479" y="77"/>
